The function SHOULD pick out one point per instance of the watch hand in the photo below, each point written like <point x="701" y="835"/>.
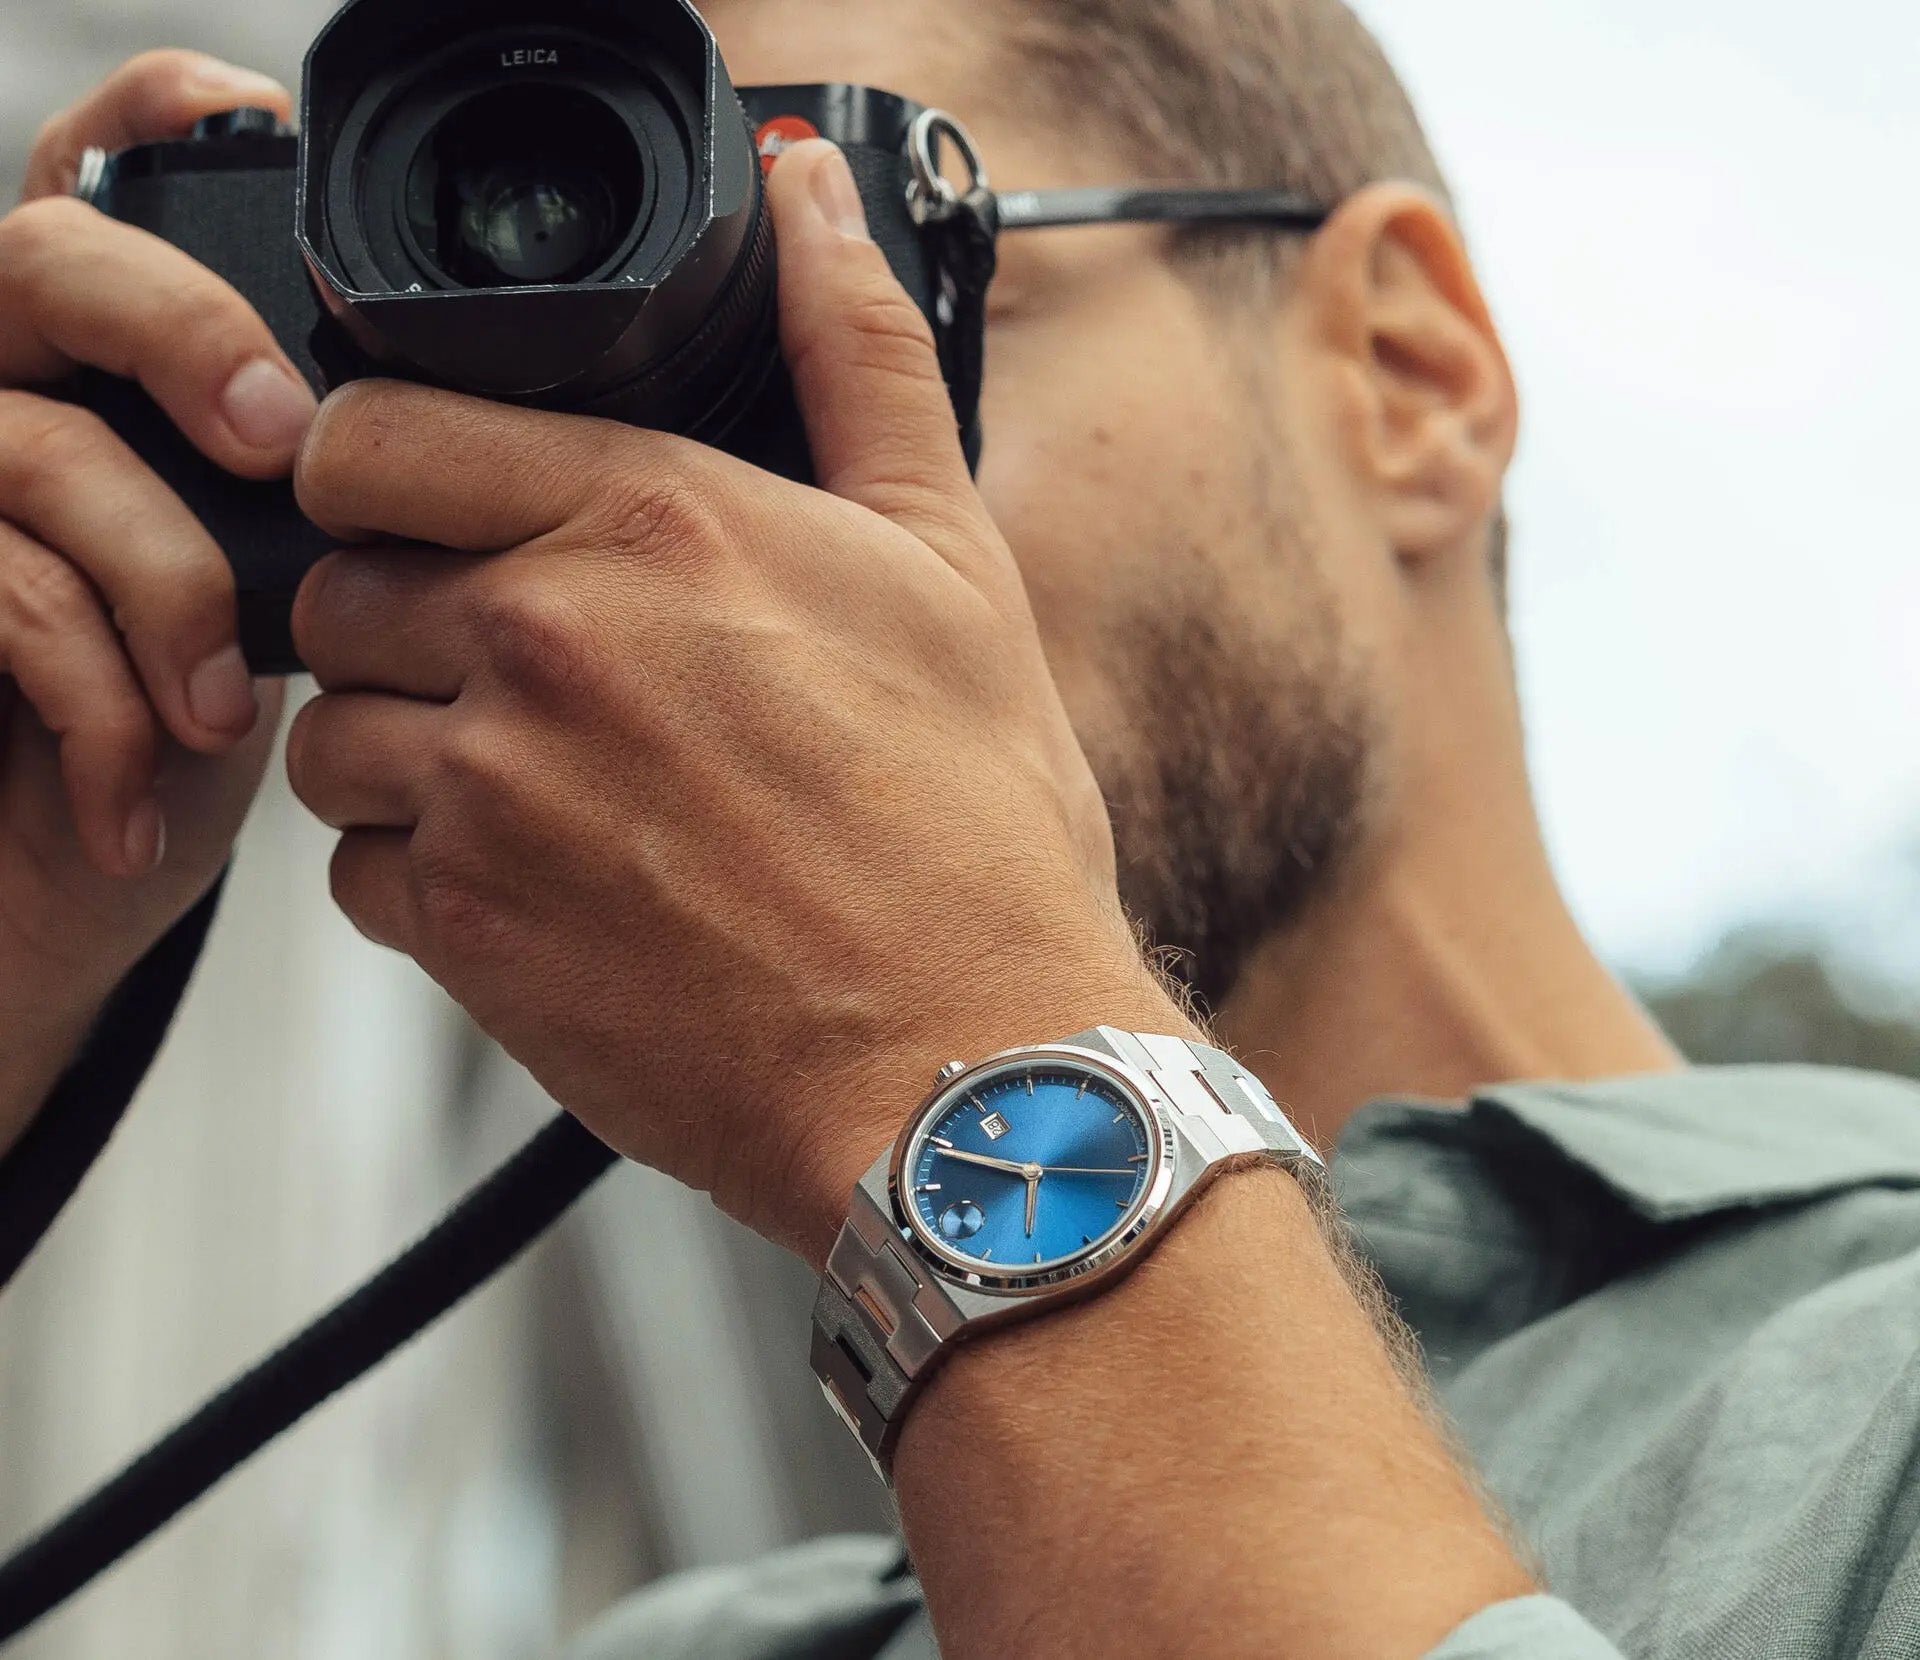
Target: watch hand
<point x="1033" y="1193"/>
<point x="1079" y="1170"/>
<point x="1007" y="1165"/>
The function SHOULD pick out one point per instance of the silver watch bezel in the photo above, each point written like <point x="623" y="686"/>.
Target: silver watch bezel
<point x="1156" y="1192"/>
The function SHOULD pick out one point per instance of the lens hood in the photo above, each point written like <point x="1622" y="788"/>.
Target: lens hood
<point x="441" y="147"/>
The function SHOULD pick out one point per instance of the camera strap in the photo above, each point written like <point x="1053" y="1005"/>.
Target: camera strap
<point x="962" y="229"/>
<point x="74" y="1124"/>
<point x="967" y="240"/>
<point x="476" y="1239"/>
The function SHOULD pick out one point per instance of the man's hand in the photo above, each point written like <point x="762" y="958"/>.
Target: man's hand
<point x="131" y="739"/>
<point x="731" y="807"/>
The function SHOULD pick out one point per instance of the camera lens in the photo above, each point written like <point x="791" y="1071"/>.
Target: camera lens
<point x="522" y="224"/>
<point x="554" y="202"/>
<point x="524" y="186"/>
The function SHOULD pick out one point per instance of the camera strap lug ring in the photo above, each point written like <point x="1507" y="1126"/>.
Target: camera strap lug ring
<point x="931" y="197"/>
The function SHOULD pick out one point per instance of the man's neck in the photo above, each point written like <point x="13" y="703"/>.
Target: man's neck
<point x="1429" y="969"/>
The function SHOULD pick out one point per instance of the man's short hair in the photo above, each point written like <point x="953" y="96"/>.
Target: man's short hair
<point x="1288" y="94"/>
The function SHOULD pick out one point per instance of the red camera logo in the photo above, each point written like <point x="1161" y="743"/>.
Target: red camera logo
<point x="781" y="134"/>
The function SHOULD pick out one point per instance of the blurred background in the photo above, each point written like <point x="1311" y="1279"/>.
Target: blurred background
<point x="1694" y="223"/>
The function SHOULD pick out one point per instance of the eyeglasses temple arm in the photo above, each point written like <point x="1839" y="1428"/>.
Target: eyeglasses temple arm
<point x="1024" y="210"/>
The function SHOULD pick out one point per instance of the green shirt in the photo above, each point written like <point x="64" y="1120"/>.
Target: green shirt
<point x="1677" y="1322"/>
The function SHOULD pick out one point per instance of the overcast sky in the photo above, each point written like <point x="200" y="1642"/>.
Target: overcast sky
<point x="1698" y="226"/>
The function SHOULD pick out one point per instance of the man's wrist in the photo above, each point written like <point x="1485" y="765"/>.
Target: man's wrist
<point x="1229" y="1386"/>
<point x="896" y="1083"/>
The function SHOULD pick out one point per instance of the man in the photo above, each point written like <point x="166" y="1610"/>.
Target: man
<point x="807" y="782"/>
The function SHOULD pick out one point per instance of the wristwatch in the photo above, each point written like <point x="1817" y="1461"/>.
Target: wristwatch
<point x="1033" y="1177"/>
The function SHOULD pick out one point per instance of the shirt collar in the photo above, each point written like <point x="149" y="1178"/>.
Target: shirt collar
<point x="1680" y="1145"/>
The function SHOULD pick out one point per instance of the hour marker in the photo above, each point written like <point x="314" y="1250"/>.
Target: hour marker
<point x="1119" y="1118"/>
<point x="928" y="1187"/>
<point x="1082" y="1090"/>
<point x="1030" y="1091"/>
<point x="1036" y="1259"/>
<point x="987" y="1254"/>
<point x="979" y="1105"/>
<point x="1086" y="1239"/>
<point x="941" y="1141"/>
<point x="1121" y="1204"/>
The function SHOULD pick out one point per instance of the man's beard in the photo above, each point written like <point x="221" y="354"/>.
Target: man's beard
<point x="1237" y="783"/>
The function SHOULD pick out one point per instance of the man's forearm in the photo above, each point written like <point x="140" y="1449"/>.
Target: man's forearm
<point x="1216" y="1457"/>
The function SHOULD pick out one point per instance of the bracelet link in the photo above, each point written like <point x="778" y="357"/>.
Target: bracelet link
<point x="1221" y="1107"/>
<point x="877" y="1323"/>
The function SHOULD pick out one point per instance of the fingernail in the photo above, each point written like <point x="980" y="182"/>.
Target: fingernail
<point x="837" y="196"/>
<point x="220" y="693"/>
<point x="217" y="76"/>
<point x="267" y="407"/>
<point x="146" y="841"/>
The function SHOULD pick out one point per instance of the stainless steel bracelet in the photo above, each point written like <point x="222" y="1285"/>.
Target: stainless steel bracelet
<point x="884" y="1318"/>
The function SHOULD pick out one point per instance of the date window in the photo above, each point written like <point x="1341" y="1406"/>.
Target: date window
<point x="995" y="1126"/>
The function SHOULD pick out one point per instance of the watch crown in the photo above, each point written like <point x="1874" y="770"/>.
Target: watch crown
<point x="952" y="1069"/>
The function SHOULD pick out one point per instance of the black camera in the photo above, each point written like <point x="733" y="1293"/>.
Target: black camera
<point x="557" y="204"/>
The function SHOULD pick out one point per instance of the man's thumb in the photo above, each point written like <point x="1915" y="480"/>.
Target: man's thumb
<point x="878" y="417"/>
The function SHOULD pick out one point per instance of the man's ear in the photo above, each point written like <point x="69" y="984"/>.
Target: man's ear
<point x="1425" y="402"/>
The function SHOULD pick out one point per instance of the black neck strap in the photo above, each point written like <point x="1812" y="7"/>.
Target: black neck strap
<point x="479" y="1237"/>
<point x="58" y="1148"/>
